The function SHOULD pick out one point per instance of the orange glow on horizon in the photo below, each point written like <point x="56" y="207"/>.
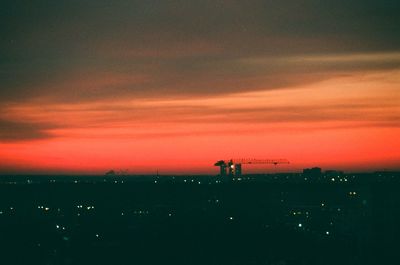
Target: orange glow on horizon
<point x="348" y="123"/>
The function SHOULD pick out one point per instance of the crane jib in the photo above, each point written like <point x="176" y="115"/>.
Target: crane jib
<point x="233" y="166"/>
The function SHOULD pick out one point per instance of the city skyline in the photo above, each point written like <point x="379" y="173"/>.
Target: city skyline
<point x="91" y="86"/>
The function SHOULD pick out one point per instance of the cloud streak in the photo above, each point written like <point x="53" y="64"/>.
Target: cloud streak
<point x="343" y="102"/>
<point x="16" y="131"/>
<point x="187" y="48"/>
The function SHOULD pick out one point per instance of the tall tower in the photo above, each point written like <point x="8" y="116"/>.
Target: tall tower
<point x="222" y="167"/>
<point x="238" y="169"/>
<point x="231" y="168"/>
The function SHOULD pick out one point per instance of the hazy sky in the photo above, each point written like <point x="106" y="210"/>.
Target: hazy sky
<point x="87" y="86"/>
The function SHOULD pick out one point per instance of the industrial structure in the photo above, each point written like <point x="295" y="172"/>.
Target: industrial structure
<point x="233" y="167"/>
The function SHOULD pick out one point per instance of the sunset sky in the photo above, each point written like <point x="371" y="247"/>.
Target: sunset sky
<point x="89" y="86"/>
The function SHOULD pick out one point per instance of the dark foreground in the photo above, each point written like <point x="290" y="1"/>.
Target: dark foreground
<point x="177" y="222"/>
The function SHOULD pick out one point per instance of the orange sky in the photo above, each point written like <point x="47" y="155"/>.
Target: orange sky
<point x="346" y="122"/>
<point x="176" y="85"/>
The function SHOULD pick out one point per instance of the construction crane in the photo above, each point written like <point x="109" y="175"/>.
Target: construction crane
<point x="233" y="167"/>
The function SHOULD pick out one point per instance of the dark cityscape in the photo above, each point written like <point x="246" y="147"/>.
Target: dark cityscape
<point x="312" y="217"/>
